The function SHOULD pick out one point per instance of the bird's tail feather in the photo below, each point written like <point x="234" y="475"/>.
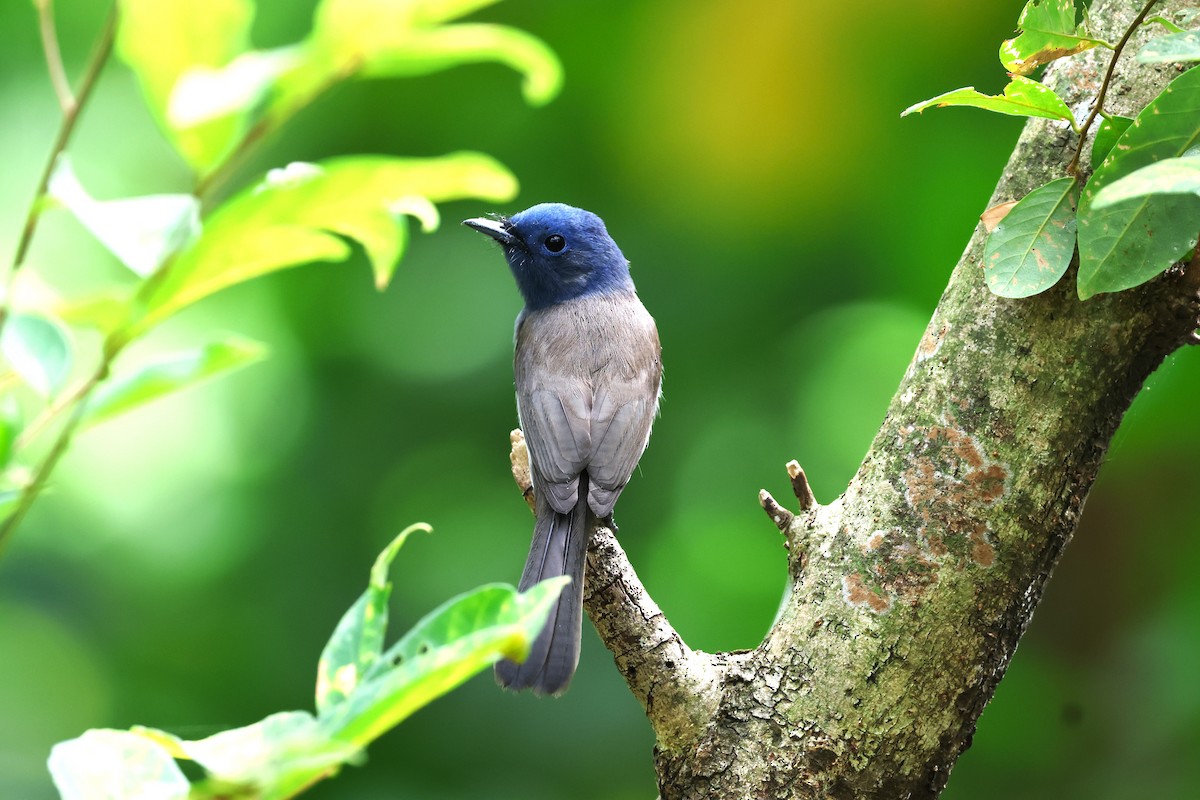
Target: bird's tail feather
<point x="559" y="548"/>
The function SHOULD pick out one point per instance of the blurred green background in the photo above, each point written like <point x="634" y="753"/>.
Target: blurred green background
<point x="790" y="233"/>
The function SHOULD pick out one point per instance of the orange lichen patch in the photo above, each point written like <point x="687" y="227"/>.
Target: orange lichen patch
<point x="856" y="593"/>
<point x="982" y="552"/>
<point x="949" y="485"/>
<point x="931" y="342"/>
<point x="873" y="541"/>
<point x="963" y="444"/>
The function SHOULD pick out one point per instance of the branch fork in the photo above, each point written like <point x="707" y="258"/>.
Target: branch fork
<point x="677" y="686"/>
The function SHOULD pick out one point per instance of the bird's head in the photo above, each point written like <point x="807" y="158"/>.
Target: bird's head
<point x="557" y="253"/>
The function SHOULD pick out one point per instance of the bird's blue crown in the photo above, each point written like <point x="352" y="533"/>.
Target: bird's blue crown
<point x="558" y="252"/>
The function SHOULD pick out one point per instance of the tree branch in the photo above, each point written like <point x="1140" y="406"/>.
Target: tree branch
<point x="675" y="684"/>
<point x="909" y="592"/>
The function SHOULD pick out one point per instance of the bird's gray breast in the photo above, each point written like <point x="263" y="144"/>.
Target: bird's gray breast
<point x="587" y="378"/>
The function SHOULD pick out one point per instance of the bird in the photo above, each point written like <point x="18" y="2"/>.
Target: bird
<point x="587" y="368"/>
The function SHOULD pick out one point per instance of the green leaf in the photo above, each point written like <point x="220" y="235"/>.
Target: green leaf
<point x="115" y="765"/>
<point x="454" y="642"/>
<point x="125" y="392"/>
<point x="102" y="312"/>
<point x="364" y="39"/>
<point x="277" y="755"/>
<point x="162" y="41"/>
<point x="1173" y="47"/>
<point x="1048" y="32"/>
<point x="1166" y="23"/>
<point x="298" y="215"/>
<point x="142" y="232"/>
<point x="358" y="639"/>
<point x="1127" y="244"/>
<point x="1107" y="134"/>
<point x="1169" y="176"/>
<point x="383" y="38"/>
<point x="203" y="95"/>
<point x="1032" y="246"/>
<point x="1022" y="97"/>
<point x="39" y="350"/>
<point x="436" y="49"/>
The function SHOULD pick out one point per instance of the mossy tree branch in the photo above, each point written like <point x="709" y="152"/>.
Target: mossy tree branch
<point x="910" y="591"/>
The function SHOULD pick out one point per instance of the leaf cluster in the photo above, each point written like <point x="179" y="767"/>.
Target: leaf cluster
<point x="1135" y="216"/>
<point x="362" y="692"/>
<point x="216" y="99"/>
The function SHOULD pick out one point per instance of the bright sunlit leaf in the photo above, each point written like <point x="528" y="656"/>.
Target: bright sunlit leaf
<point x="357" y="640"/>
<point x="448" y="646"/>
<point x="123" y="393"/>
<point x="1048" y="32"/>
<point x="203" y="94"/>
<point x="436" y="49"/>
<point x="1107" y="134"/>
<point x="1126" y="244"/>
<point x="39" y="350"/>
<point x="382" y="38"/>
<point x="1022" y="97"/>
<point x="115" y="765"/>
<point x="361" y="39"/>
<point x="142" y="232"/>
<point x="300" y="214"/>
<point x="161" y="41"/>
<point x="1169" y="176"/>
<point x="1031" y="248"/>
<point x="102" y="312"/>
<point x="1173" y="47"/>
<point x="278" y="754"/>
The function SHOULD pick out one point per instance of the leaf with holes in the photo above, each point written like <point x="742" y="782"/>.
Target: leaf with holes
<point x="304" y="213"/>
<point x="454" y="642"/>
<point x="1107" y="134"/>
<point x="357" y="640"/>
<point x="1022" y="97"/>
<point x="1048" y="32"/>
<point x="1127" y="244"/>
<point x="1173" y="47"/>
<point x="1032" y="246"/>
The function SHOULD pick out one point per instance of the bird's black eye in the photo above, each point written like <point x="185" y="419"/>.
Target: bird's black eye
<point x="555" y="243"/>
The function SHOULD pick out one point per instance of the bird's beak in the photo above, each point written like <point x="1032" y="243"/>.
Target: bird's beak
<point x="499" y="229"/>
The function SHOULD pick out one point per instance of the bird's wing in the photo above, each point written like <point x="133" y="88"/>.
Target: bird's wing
<point x="555" y="417"/>
<point x="622" y="413"/>
<point x="586" y="401"/>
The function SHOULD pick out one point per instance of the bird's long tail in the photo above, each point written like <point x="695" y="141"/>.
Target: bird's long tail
<point x="559" y="548"/>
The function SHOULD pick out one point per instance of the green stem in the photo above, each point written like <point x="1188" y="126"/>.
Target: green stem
<point x="54" y="63"/>
<point x="1073" y="167"/>
<point x="31" y="491"/>
<point x="100" y="53"/>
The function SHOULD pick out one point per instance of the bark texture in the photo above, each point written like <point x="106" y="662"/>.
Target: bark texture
<point x="910" y="591"/>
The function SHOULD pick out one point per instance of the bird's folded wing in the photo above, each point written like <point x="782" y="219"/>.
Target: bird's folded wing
<point x="558" y="431"/>
<point x="622" y="414"/>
